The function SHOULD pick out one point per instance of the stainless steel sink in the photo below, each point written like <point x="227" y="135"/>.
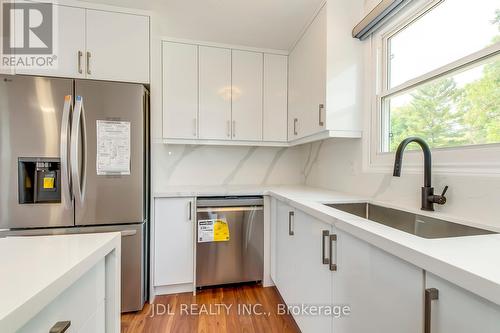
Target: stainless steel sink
<point x="422" y="226"/>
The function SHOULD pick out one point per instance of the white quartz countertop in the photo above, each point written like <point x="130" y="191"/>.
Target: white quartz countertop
<point x="470" y="262"/>
<point x="35" y="270"/>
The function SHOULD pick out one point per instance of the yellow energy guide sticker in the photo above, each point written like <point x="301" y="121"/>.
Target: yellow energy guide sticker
<point x="221" y="231"/>
<point x="48" y="182"/>
<point x="213" y="230"/>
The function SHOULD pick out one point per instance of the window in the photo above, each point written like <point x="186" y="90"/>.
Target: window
<point x="441" y="76"/>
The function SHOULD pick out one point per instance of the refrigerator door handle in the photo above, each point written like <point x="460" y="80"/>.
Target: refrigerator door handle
<point x="79" y="181"/>
<point x="65" y="131"/>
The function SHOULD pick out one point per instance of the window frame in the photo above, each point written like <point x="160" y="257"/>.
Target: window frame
<point x="475" y="159"/>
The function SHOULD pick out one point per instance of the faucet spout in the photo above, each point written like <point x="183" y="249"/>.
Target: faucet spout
<point x="428" y="196"/>
<point x="398" y="163"/>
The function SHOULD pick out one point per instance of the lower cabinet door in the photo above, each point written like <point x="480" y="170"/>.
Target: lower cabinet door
<point x="312" y="279"/>
<point x="82" y="304"/>
<point x="174" y="241"/>
<point x="383" y="293"/>
<point x="456" y="310"/>
<point x="285" y="249"/>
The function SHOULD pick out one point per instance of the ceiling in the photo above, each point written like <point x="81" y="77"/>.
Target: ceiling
<point x="274" y="24"/>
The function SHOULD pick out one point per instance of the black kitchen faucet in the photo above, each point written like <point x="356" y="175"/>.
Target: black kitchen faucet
<point x="428" y="196"/>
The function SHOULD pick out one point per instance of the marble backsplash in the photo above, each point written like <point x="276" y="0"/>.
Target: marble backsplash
<point x="175" y="165"/>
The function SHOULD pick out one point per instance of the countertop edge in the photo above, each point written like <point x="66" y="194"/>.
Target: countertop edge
<point x="19" y="316"/>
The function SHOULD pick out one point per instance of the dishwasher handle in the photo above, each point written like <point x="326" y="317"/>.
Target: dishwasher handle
<point x="228" y="209"/>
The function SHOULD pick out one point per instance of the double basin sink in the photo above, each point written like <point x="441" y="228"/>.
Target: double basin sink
<point x="418" y="225"/>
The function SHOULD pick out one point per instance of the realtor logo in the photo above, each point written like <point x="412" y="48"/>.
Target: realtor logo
<point x="27" y="28"/>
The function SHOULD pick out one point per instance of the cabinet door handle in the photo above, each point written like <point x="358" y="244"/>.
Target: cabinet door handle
<point x="60" y="327"/>
<point x="228" y="128"/>
<point x="195" y="130"/>
<point x="234" y="128"/>
<point x="431" y="294"/>
<point x="80" y="55"/>
<point x="295" y="121"/>
<point x="88" y="63"/>
<point x="320" y="114"/>
<point x="290" y="223"/>
<point x="333" y="239"/>
<point x="190" y="211"/>
<point x="324" y="236"/>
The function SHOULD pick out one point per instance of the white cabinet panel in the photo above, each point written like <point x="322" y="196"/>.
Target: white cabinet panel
<point x="247" y="68"/>
<point x="381" y="290"/>
<point x="180" y="90"/>
<point x="275" y="97"/>
<point x="307" y="86"/>
<point x="118" y="45"/>
<point x="173" y="241"/>
<point x="82" y="304"/>
<point x="459" y="311"/>
<point x="215" y="93"/>
<point x="285" y="248"/>
<point x="69" y="45"/>
<point x="313" y="279"/>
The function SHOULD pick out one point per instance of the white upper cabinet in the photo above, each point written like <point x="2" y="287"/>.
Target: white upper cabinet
<point x="117" y="46"/>
<point x="68" y="46"/>
<point x="326" y="76"/>
<point x="218" y="95"/>
<point x="180" y="90"/>
<point x="247" y="78"/>
<point x="214" y="93"/>
<point x="275" y="97"/>
<point x="96" y="44"/>
<point x="307" y="90"/>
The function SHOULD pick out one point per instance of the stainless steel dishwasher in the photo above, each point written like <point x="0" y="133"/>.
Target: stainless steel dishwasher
<point x="230" y="240"/>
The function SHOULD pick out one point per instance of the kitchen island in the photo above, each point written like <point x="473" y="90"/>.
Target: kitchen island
<point x="60" y="280"/>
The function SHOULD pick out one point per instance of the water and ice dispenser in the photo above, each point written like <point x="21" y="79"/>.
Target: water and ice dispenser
<point x="39" y="180"/>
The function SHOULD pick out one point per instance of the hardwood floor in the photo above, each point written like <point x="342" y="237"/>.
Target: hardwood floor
<point x="224" y="309"/>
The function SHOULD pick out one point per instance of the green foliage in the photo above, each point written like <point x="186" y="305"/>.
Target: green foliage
<point x="446" y="115"/>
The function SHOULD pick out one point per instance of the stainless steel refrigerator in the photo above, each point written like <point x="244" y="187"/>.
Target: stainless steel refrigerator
<point x="49" y="162"/>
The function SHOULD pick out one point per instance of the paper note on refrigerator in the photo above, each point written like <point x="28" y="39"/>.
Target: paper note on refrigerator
<point x="113" y="147"/>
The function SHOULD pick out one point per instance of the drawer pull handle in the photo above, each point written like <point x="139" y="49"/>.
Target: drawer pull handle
<point x="333" y="239"/>
<point x="325" y="260"/>
<point x="60" y="327"/>
<point x="290" y="223"/>
<point x="431" y="294"/>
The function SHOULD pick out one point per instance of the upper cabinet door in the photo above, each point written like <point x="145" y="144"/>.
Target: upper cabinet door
<point x="215" y="93"/>
<point x="247" y="95"/>
<point x="275" y="97"/>
<point x="307" y="87"/>
<point x="117" y="46"/>
<point x="180" y="90"/>
<point x="68" y="45"/>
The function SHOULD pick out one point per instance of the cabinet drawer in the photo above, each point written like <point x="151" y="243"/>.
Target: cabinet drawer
<point x="82" y="304"/>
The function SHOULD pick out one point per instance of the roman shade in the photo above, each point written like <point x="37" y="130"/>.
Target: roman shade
<point x="380" y="14"/>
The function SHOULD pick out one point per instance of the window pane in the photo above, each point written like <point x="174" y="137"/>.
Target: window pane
<point x="461" y="109"/>
<point x="450" y="31"/>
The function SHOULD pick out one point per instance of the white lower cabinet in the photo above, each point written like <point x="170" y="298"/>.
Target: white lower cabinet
<point x="301" y="276"/>
<point x="82" y="304"/>
<point x="173" y="241"/>
<point x="383" y="292"/>
<point x="456" y="310"/>
<point x="319" y="265"/>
